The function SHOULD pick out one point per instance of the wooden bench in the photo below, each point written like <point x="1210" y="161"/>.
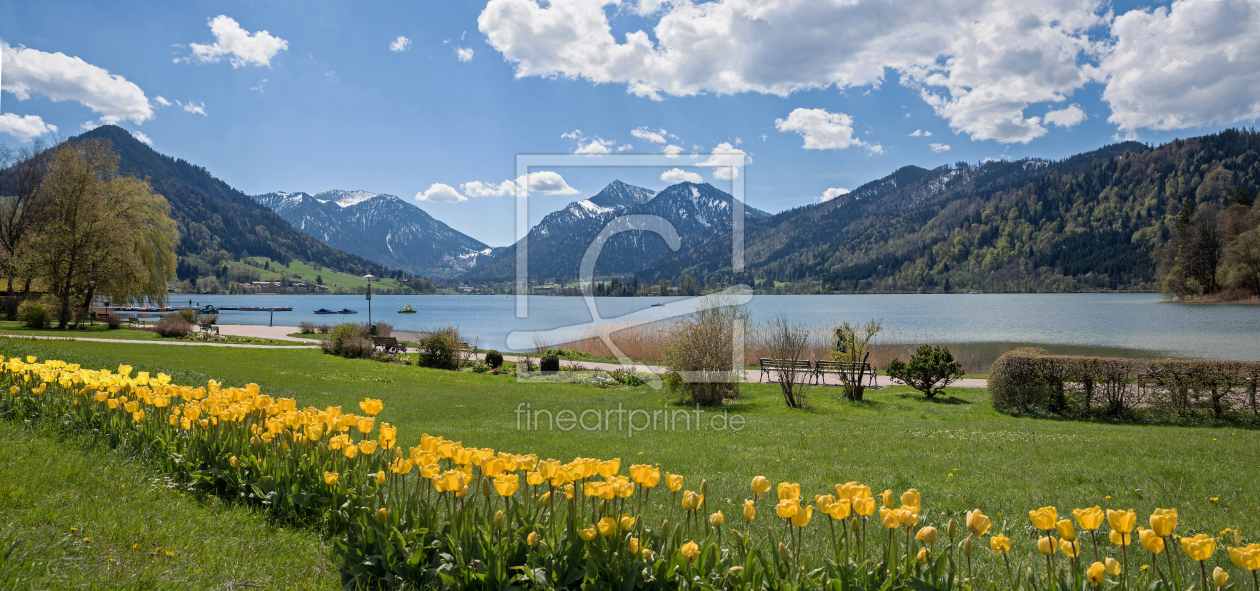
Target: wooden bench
<point x="843" y="369"/>
<point x="768" y="365"/>
<point x="207" y="327"/>
<point x="133" y="321"/>
<point x="389" y="344"/>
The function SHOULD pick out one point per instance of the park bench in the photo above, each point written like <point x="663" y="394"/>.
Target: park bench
<point x="207" y="327"/>
<point x="843" y="369"/>
<point x="133" y="321"/>
<point x="389" y="344"/>
<point x="768" y="365"/>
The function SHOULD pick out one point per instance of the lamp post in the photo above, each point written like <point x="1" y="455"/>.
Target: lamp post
<point x="369" y="297"/>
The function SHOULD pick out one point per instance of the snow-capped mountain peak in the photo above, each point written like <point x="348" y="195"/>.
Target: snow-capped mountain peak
<point x="346" y="198"/>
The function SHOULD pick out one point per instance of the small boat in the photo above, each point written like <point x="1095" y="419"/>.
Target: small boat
<point x="346" y="311"/>
<point x="323" y="311"/>
<point x="657" y="304"/>
<point x="208" y="310"/>
<point x="407" y="310"/>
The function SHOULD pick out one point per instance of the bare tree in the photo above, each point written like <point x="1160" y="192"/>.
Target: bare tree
<point x="23" y="202"/>
<point x="788" y="342"/>
<point x="701" y="351"/>
<point x="852" y="351"/>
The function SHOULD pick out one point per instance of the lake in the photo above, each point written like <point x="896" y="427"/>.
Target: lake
<point x="1097" y="324"/>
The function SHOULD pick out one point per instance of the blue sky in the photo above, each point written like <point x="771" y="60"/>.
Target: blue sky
<point x="818" y="99"/>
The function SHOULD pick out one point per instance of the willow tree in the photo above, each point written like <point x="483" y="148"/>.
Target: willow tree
<point x="102" y="233"/>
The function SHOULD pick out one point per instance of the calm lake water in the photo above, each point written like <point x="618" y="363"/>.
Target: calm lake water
<point x="1106" y="324"/>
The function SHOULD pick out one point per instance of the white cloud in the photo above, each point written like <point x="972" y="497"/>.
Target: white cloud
<point x="643" y="133"/>
<point x="978" y="63"/>
<point x="261" y="85"/>
<point x="60" y="77"/>
<point x="921" y="133"/>
<point x="192" y="107"/>
<point x="726" y="160"/>
<point x="830" y="194"/>
<point x="400" y="44"/>
<point x="464" y="54"/>
<point x="589" y="145"/>
<point x="938" y="148"/>
<point x="439" y="193"/>
<point x="674" y="176"/>
<point x="241" y="47"/>
<point x="142" y="137"/>
<point x="89" y="125"/>
<point x="1192" y="64"/>
<point x="1065" y="117"/>
<point x="544" y="181"/>
<point x="672" y="151"/>
<point x="821" y="130"/>
<point x="159" y="99"/>
<point x="25" y="127"/>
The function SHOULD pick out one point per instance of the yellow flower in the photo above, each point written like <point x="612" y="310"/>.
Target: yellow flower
<point x="1044" y="518"/>
<point x="922" y="556"/>
<point x="787" y="508"/>
<point x="1163" y="522"/>
<point x="532" y="539"/>
<point x="507" y="484"/>
<point x="1119" y="539"/>
<point x="350" y="451"/>
<point x="388" y="435"/>
<point x="1123" y="521"/>
<point x="926" y="535"/>
<point x="1199" y="547"/>
<point x="330" y="478"/>
<point x="371" y="407"/>
<point x="381" y="515"/>
<point x="1096" y="573"/>
<point x="633" y="546"/>
<point x="1066" y="531"/>
<point x="912" y="498"/>
<point x="891" y="519"/>
<point x="863" y="506"/>
<point x="588" y="533"/>
<point x="691" y="501"/>
<point x="840" y="509"/>
<point x="789" y="490"/>
<point x="802" y="517"/>
<point x="365" y="425"/>
<point x="1219" y="577"/>
<point x="887" y="498"/>
<point x="607" y="527"/>
<point x="1045" y="545"/>
<point x="1000" y="543"/>
<point x="367" y="447"/>
<point x="1113" y="566"/>
<point x="717" y="519"/>
<point x="626" y="522"/>
<point x="977" y="522"/>
<point x="1151" y="540"/>
<point x="750" y="509"/>
<point x="1247" y="557"/>
<point x="1089" y="519"/>
<point x="380" y="477"/>
<point x="760" y="486"/>
<point x="690" y="551"/>
<point x="1069" y="548"/>
<point x="673" y="481"/>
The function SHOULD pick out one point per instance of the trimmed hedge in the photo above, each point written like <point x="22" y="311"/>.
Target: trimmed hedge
<point x="1030" y="380"/>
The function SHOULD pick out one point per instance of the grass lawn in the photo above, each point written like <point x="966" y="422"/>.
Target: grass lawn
<point x="92" y="518"/>
<point x="100" y="331"/>
<point x="955" y="450"/>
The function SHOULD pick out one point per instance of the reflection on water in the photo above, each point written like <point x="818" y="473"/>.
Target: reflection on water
<point x="1119" y="324"/>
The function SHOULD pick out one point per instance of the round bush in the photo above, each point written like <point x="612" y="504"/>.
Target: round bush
<point x="438" y="351"/>
<point x="549" y="362"/>
<point x="33" y="314"/>
<point x="494" y="359"/>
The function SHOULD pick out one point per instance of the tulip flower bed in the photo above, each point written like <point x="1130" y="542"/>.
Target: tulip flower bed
<point x="467" y="517"/>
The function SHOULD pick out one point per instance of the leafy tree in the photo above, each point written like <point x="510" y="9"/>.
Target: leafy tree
<point x="103" y="232"/>
<point x="931" y="370"/>
<point x="852" y="350"/>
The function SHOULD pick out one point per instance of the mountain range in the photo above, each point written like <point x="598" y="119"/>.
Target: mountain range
<point x="380" y="228"/>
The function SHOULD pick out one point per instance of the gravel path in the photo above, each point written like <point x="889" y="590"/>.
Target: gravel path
<point x="168" y="343"/>
<point x="278" y="333"/>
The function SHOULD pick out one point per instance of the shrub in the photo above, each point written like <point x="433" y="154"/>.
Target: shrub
<point x="479" y="367"/>
<point x="113" y="321"/>
<point x="33" y="314"/>
<point x="549" y="362"/>
<point x="437" y="349"/>
<point x="173" y="325"/>
<point x="323" y="329"/>
<point x="930" y="370"/>
<point x="306" y="327"/>
<point x="494" y="359"/>
<point x="210" y="318"/>
<point x="384" y="330"/>
<point x="701" y="346"/>
<point x="789" y="343"/>
<point x="853" y="349"/>
<point x="190" y="315"/>
<point x="349" y="340"/>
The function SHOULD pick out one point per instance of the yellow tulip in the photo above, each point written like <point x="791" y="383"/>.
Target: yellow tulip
<point x="789" y="490"/>
<point x="690" y="551"/>
<point x="863" y="506"/>
<point x="1219" y="577"/>
<point x="1000" y="543"/>
<point x="922" y="556"/>
<point x="366" y="424"/>
<point x="1066" y="531"/>
<point x="824" y="502"/>
<point x="717" y="519"/>
<point x="926" y="535"/>
<point x="891" y="519"/>
<point x="802" y="517"/>
<point x="750" y="509"/>
<point x="380" y="477"/>
<point x="760" y="486"/>
<point x="1151" y="540"/>
<point x="330" y="478"/>
<point x="350" y="451"/>
<point x="626" y="522"/>
<point x="1247" y="557"/>
<point x="1045" y="545"/>
<point x="787" y="508"/>
<point x="371" y="407"/>
<point x="1199" y="547"/>
<point x="1069" y="548"/>
<point x="381" y="515"/>
<point x="1096" y="573"/>
<point x="232" y="461"/>
<point x="507" y="484"/>
<point x="588" y="533"/>
<point x="1089" y="519"/>
<point x="545" y="500"/>
<point x="633" y="546"/>
<point x="690" y="501"/>
<point x="1122" y="521"/>
<point x="532" y="539"/>
<point x="1163" y="522"/>
<point x="887" y="498"/>
<point x="673" y="481"/>
<point x="1044" y="518"/>
<point x="1113" y="566"/>
<point x="607" y="527"/>
<point x="1119" y="539"/>
<point x="912" y="498"/>
<point x="977" y="523"/>
<point x="840" y="509"/>
<point x="367" y="447"/>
